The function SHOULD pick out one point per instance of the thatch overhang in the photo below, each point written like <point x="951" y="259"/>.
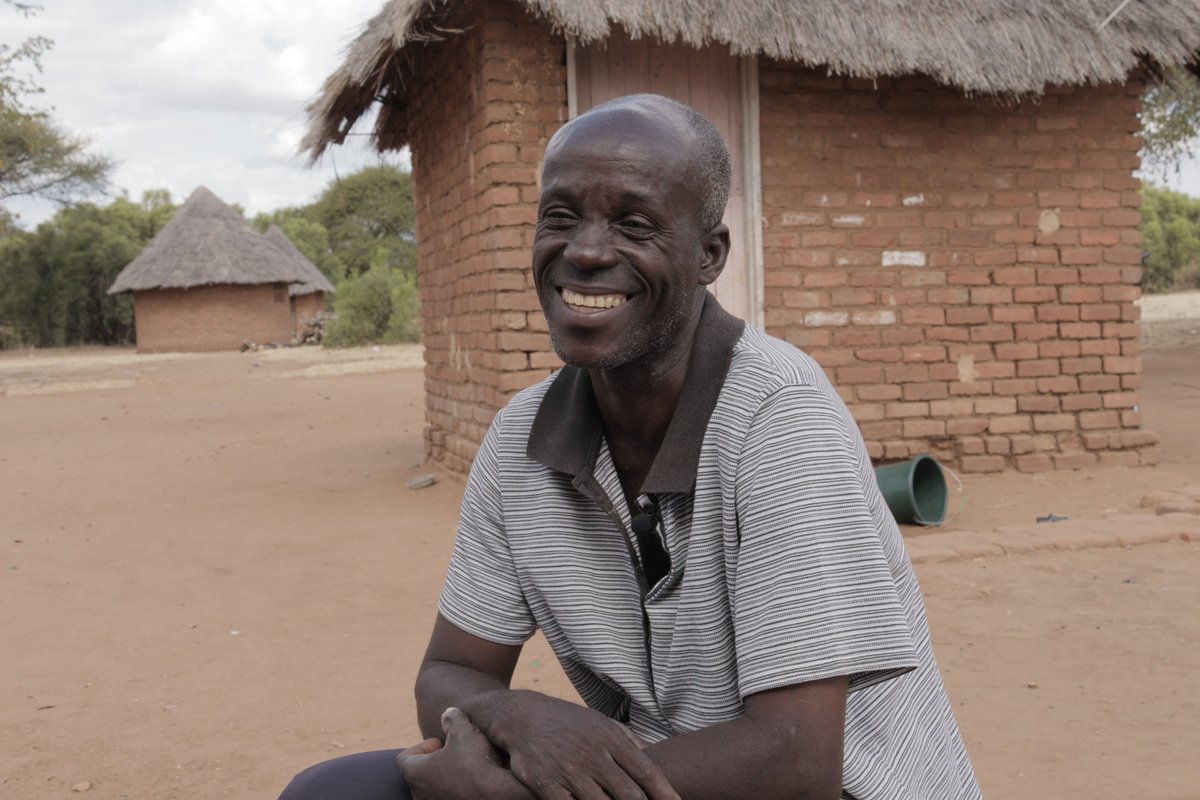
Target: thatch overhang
<point x="316" y="282"/>
<point x="207" y="243"/>
<point x="991" y="47"/>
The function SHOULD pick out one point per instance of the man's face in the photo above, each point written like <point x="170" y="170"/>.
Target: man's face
<point x="618" y="253"/>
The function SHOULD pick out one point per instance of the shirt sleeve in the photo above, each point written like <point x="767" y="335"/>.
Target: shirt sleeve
<point x="482" y="594"/>
<point x="813" y="596"/>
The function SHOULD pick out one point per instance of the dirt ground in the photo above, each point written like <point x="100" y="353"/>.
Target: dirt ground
<point x="212" y="574"/>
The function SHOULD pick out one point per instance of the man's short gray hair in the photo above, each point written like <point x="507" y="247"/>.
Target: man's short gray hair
<point x="714" y="172"/>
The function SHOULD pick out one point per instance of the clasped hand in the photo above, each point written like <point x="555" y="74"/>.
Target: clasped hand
<point x="557" y="750"/>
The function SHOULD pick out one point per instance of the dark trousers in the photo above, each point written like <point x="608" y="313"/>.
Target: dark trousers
<point x="364" y="776"/>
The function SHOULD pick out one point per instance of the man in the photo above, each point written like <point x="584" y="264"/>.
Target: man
<point x="688" y="513"/>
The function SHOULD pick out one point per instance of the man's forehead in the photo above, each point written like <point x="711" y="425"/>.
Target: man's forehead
<point x="627" y="122"/>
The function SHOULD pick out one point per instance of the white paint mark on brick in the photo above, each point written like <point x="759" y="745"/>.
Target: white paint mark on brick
<point x="796" y="218"/>
<point x="903" y="258"/>
<point x="874" y="317"/>
<point x="914" y="200"/>
<point x="842" y="261"/>
<point x="855" y="220"/>
<point x="824" y="199"/>
<point x="821" y="318"/>
<point x="966" y="369"/>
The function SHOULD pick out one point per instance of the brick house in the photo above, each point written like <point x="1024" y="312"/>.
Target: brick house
<point x="208" y="281"/>
<point x="941" y="209"/>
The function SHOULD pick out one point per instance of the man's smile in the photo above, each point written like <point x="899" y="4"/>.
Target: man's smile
<point x="590" y="303"/>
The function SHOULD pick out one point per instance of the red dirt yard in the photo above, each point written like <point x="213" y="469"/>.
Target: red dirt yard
<point x="212" y="574"/>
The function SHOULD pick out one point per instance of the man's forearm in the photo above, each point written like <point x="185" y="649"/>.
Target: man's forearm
<point x="441" y="685"/>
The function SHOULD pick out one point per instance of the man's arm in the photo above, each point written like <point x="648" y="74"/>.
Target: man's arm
<point x="787" y="744"/>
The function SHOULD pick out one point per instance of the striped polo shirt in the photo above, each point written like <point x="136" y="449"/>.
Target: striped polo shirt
<point x="785" y="564"/>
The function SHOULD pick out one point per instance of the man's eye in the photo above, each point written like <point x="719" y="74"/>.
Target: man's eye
<point x="557" y="217"/>
<point x="639" y="226"/>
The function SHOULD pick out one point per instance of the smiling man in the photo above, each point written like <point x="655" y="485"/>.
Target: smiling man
<point x="688" y="513"/>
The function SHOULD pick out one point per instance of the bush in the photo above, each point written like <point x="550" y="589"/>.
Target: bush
<point x="379" y="306"/>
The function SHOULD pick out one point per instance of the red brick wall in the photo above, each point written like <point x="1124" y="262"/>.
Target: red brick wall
<point x="211" y="317"/>
<point x="965" y="270"/>
<point x="483" y="104"/>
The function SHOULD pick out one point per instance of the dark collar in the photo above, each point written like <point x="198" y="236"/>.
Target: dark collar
<point x="567" y="430"/>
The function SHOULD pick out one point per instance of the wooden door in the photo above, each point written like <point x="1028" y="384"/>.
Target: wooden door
<point x="719" y="85"/>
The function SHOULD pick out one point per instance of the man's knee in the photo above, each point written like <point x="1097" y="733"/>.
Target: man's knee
<point x="363" y="776"/>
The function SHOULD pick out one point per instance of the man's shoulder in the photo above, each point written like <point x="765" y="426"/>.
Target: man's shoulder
<point x="516" y="417"/>
<point x="763" y="364"/>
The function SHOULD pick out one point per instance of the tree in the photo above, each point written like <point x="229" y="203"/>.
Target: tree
<point x="39" y="158"/>
<point x="1171" y="238"/>
<point x="54" y="281"/>
<point x="1170" y="119"/>
<point x="366" y="211"/>
<point x="309" y="236"/>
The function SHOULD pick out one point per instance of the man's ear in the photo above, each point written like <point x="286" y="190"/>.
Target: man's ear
<point x="716" y="250"/>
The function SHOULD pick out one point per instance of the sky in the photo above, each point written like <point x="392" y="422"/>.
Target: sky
<point x="183" y="93"/>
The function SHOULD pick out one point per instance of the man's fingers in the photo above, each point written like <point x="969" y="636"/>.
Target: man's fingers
<point x="423" y="748"/>
<point x="646" y="774"/>
<point x="408" y="758"/>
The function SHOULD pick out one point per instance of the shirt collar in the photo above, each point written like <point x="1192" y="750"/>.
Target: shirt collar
<point x="567" y="430"/>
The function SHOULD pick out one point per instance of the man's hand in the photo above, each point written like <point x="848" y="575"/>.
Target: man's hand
<point x="561" y="750"/>
<point x="467" y="767"/>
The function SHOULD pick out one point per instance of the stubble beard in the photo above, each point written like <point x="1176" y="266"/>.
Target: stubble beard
<point x="635" y="343"/>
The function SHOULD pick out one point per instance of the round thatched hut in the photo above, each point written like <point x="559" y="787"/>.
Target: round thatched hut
<point x="209" y="281"/>
<point x="936" y="200"/>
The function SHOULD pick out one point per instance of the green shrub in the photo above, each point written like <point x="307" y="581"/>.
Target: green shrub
<point x="379" y="306"/>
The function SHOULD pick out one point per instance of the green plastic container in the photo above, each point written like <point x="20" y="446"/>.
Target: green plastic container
<point x="915" y="490"/>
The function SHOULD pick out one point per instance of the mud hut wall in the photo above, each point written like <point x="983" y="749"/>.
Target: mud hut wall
<point x="306" y="307"/>
<point x="482" y="106"/>
<point x="964" y="269"/>
<point x="206" y="318"/>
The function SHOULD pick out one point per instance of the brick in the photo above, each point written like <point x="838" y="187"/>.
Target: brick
<point x="1079" y="294"/>
<point x="1122" y="364"/>
<point x="1080" y="402"/>
<point x="1120" y="400"/>
<point x="903" y="410"/>
<point x="1016" y="423"/>
<point x="1016" y="351"/>
<point x="1033" y="462"/>
<point x="998" y="445"/>
<point x="1015" y="276"/>
<point x="1038" y="369"/>
<point x="973" y="464"/>
<point x="1050" y="423"/>
<point x="1077" y="366"/>
<point x="958" y="407"/>
<point x="1038" y="404"/>
<point x="961" y="427"/>
<point x="1035" y="294"/>
<point x="923" y="428"/>
<point x="1057" y="275"/>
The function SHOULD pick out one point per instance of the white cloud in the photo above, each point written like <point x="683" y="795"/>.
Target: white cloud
<point x="191" y="92"/>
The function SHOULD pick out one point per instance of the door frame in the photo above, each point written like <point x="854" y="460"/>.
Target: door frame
<point x="751" y="156"/>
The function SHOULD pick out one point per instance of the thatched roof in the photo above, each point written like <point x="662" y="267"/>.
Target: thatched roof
<point x="999" y="47"/>
<point x="316" y="282"/>
<point x="206" y="243"/>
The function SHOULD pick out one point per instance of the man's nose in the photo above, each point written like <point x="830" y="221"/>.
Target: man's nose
<point x="591" y="246"/>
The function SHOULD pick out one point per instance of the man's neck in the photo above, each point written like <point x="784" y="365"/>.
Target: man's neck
<point x="637" y="403"/>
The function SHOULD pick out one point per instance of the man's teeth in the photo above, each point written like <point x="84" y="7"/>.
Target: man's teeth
<point x="592" y="300"/>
